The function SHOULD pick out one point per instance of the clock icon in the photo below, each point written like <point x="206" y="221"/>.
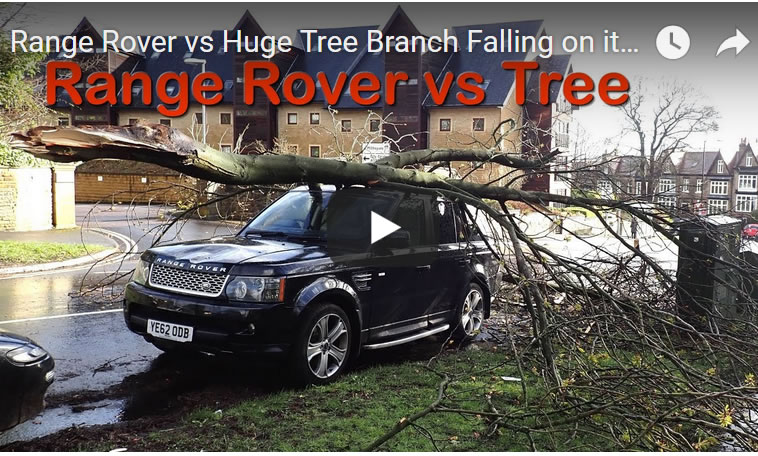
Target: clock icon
<point x="673" y="42"/>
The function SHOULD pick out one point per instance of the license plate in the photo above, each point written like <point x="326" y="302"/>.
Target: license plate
<point x="170" y="331"/>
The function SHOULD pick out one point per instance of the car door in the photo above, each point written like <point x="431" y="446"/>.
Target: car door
<point x="449" y="270"/>
<point x="401" y="295"/>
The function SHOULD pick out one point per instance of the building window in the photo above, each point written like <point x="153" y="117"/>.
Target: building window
<point x="347" y="126"/>
<point x="717" y="206"/>
<point x="445" y="124"/>
<point x="638" y="188"/>
<point x="667" y="201"/>
<point x="132" y="121"/>
<point x="373" y="125"/>
<point x="605" y="188"/>
<point x="699" y="186"/>
<point x="747" y="182"/>
<point x="143" y="180"/>
<point x="292" y="148"/>
<point x="226" y="148"/>
<point x="315" y="118"/>
<point x="665" y="185"/>
<point x="685" y="185"/>
<point x="720" y="187"/>
<point x="199" y="118"/>
<point x="166" y="122"/>
<point x="291" y="118"/>
<point x="746" y="203"/>
<point x="748" y="160"/>
<point x="720" y="167"/>
<point x="63" y="122"/>
<point x="315" y="151"/>
<point x="478" y="124"/>
<point x="225" y="118"/>
<point x="99" y="178"/>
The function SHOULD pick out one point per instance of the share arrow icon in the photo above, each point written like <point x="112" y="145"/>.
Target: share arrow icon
<point x="738" y="42"/>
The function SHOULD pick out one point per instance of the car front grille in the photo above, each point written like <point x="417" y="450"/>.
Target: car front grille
<point x="187" y="282"/>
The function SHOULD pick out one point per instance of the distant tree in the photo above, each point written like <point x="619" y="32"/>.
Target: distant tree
<point x="663" y="119"/>
<point x="21" y="97"/>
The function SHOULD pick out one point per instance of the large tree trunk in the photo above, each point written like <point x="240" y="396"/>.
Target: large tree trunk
<point x="170" y="148"/>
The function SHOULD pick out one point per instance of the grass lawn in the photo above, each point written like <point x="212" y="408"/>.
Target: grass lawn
<point x="350" y="413"/>
<point x="19" y="252"/>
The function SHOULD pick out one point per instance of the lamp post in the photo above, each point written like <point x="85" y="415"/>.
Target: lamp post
<point x="201" y="62"/>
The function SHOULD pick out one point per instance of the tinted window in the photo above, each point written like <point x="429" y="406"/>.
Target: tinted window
<point x="444" y="221"/>
<point x="410" y="217"/>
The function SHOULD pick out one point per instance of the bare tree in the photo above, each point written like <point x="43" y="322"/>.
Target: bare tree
<point x="662" y="122"/>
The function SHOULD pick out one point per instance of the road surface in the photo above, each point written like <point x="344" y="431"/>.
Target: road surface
<point x="93" y="350"/>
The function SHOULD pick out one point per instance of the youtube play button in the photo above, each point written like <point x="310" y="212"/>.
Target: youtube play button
<point x="386" y="228"/>
<point x="381" y="227"/>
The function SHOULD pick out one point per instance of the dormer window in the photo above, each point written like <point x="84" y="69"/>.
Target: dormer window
<point x="720" y="167"/>
<point x="748" y="161"/>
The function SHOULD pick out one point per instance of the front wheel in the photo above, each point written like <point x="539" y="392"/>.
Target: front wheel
<point x="470" y="313"/>
<point x="323" y="345"/>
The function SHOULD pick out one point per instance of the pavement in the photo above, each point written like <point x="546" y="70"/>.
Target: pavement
<point x="66" y="236"/>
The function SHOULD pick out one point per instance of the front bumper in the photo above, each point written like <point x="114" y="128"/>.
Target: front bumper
<point x="22" y="391"/>
<point x="218" y="327"/>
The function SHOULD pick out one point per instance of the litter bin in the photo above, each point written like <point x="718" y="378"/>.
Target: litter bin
<point x="705" y="285"/>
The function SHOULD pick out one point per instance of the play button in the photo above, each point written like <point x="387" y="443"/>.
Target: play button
<point x="381" y="227"/>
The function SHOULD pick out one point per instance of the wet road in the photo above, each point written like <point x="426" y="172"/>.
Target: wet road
<point x="85" y="333"/>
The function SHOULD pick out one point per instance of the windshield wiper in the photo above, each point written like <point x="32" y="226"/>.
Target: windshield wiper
<point x="282" y="234"/>
<point x="266" y="233"/>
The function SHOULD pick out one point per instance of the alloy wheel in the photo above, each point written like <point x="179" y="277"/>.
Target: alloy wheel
<point x="472" y="313"/>
<point x="327" y="345"/>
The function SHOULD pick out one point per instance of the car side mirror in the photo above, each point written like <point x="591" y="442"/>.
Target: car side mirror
<point x="400" y="239"/>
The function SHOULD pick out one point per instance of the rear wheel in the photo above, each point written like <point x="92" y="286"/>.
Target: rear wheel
<point x="470" y="313"/>
<point x="323" y="345"/>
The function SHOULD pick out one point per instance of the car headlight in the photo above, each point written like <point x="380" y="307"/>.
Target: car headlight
<point x="255" y="289"/>
<point x="141" y="272"/>
<point x="26" y="354"/>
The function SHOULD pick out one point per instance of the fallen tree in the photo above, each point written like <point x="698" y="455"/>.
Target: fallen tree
<point x="618" y="358"/>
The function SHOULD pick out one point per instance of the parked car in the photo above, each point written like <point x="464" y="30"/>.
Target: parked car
<point x="26" y="371"/>
<point x="750" y="230"/>
<point x="303" y="280"/>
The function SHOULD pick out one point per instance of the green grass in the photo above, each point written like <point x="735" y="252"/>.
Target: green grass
<point x="351" y="413"/>
<point x="20" y="252"/>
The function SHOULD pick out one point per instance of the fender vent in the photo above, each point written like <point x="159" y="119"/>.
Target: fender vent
<point x="362" y="281"/>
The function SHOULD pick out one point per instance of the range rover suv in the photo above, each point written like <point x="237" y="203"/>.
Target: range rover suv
<point x="304" y="280"/>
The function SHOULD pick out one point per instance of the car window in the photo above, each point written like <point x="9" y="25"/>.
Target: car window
<point x="348" y="215"/>
<point x="410" y="216"/>
<point x="296" y="212"/>
<point x="443" y="218"/>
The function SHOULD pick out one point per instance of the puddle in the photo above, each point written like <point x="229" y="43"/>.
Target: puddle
<point x="59" y="418"/>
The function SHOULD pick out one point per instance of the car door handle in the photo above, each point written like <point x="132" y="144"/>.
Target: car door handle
<point x="426" y="266"/>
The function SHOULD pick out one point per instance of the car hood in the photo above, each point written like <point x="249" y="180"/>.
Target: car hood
<point x="234" y="250"/>
<point x="11" y="338"/>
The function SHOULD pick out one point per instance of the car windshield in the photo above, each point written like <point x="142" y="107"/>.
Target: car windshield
<point x="346" y="214"/>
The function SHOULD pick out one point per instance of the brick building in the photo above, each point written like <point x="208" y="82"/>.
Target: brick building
<point x="318" y="130"/>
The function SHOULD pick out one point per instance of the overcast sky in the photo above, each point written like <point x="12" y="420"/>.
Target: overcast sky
<point x="726" y="82"/>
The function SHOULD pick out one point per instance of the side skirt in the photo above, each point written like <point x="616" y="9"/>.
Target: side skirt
<point x="405" y="340"/>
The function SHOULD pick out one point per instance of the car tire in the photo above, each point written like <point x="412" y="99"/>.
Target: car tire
<point x="323" y="345"/>
<point x="470" y="313"/>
